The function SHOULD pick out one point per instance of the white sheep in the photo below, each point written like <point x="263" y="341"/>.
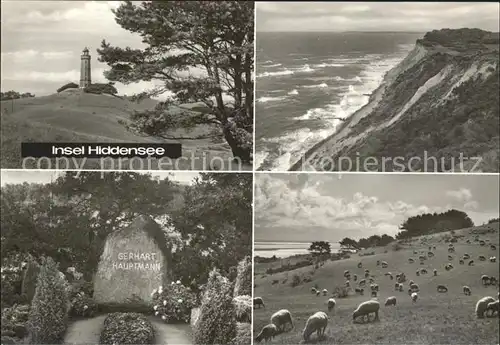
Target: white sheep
<point x="414" y="296"/>
<point x="258" y="301"/>
<point x="442" y="288"/>
<point x="414" y="288"/>
<point x="401" y="287"/>
<point x="281" y="318"/>
<point x="467" y="290"/>
<point x="318" y="293"/>
<point x="390" y="301"/>
<point x="331" y="304"/>
<point x="396" y="287"/>
<point x="384" y="264"/>
<point x="347" y="283"/>
<point x="315" y="323"/>
<point x="313" y="290"/>
<point x="325" y="292"/>
<point x="493" y="259"/>
<point x="492" y="307"/>
<point x="481" y="306"/>
<point x="355" y="277"/>
<point x="485" y="279"/>
<point x="267" y="332"/>
<point x="365" y="309"/>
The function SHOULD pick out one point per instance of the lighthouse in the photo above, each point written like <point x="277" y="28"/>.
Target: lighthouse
<point x="85" y="69"/>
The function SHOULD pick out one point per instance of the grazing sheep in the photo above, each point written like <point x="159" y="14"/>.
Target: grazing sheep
<point x="451" y="250"/>
<point x="360" y="265"/>
<point x="414" y="288"/>
<point x="430" y="254"/>
<point x="417" y="273"/>
<point x="384" y="264"/>
<point x="346" y="273"/>
<point x="481" y="306"/>
<point x="374" y="287"/>
<point x="362" y="282"/>
<point x="409" y="291"/>
<point x="258" y="301"/>
<point x="374" y="293"/>
<point x="359" y="291"/>
<point x="415" y="252"/>
<point x="493" y="259"/>
<point x="461" y="262"/>
<point x="331" y="304"/>
<point x="485" y="279"/>
<point x="267" y="332"/>
<point x="414" y="296"/>
<point x="423" y="271"/>
<point x="482" y="243"/>
<point x="367" y="275"/>
<point x="318" y="293"/>
<point x="396" y="286"/>
<point x="442" y="288"/>
<point x="422" y="258"/>
<point x="435" y="271"/>
<point x="493" y="247"/>
<point x="325" y="291"/>
<point x="467" y="291"/>
<point x="410" y="260"/>
<point x="493" y="307"/>
<point x="387" y="274"/>
<point x="450" y="257"/>
<point x="390" y="301"/>
<point x="482" y="258"/>
<point x="365" y="309"/>
<point x="316" y="323"/>
<point x="347" y="283"/>
<point x="367" y="270"/>
<point x="281" y="318"/>
<point x="450" y="245"/>
<point x="313" y="290"/>
<point x="471" y="263"/>
<point x="355" y="277"/>
<point x="466" y="256"/>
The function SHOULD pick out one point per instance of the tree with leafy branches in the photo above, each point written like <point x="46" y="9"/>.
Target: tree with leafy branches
<point x="215" y="37"/>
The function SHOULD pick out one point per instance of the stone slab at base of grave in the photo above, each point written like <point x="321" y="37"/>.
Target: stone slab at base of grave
<point x="134" y="262"/>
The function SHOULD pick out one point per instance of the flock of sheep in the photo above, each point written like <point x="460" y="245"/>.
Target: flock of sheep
<point x="318" y="321"/>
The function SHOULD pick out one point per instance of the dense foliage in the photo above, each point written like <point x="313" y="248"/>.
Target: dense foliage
<point x="127" y="328"/>
<point x="429" y="223"/>
<point x="320" y="248"/>
<point x="173" y="303"/>
<point x="99" y="88"/>
<point x="48" y="317"/>
<point x="217" y="321"/>
<point x="4" y="96"/>
<point x="215" y="37"/>
<point x="68" y="86"/>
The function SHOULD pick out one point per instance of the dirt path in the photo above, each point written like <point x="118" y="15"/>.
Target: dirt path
<point x="88" y="332"/>
<point x="84" y="331"/>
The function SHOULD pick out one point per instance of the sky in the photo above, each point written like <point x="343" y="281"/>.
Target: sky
<point x="375" y="16"/>
<point x="328" y="207"/>
<point x="42" y="42"/>
<point x="44" y="176"/>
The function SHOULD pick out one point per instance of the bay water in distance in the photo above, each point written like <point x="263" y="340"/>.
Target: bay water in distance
<point x="308" y="82"/>
<point x="268" y="249"/>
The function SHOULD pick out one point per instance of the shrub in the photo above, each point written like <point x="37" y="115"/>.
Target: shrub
<point x="289" y="266"/>
<point x="48" y="317"/>
<point x="243" y="334"/>
<point x="341" y="292"/>
<point x="30" y="278"/>
<point x="14" y="322"/>
<point x="243" y="307"/>
<point x="243" y="284"/>
<point x="67" y="86"/>
<point x="83" y="305"/>
<point x="174" y="302"/>
<point x="296" y="280"/>
<point x="99" y="88"/>
<point x="127" y="328"/>
<point x="217" y="321"/>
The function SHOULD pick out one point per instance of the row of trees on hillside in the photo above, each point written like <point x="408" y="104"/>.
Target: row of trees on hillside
<point x="213" y="36"/>
<point x="423" y="224"/>
<point x="70" y="218"/>
<point x="4" y="96"/>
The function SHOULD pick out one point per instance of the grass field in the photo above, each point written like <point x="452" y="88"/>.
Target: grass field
<point x="436" y="318"/>
<point x="74" y="116"/>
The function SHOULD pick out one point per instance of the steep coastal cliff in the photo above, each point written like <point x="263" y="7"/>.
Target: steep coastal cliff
<point x="441" y="101"/>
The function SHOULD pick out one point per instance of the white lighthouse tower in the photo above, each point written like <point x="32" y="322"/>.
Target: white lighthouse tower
<point x="85" y="69"/>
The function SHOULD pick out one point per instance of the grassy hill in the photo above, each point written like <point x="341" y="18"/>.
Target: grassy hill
<point x="436" y="318"/>
<point x="75" y="116"/>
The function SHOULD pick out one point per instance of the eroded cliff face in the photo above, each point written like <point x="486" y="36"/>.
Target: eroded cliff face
<point x="441" y="101"/>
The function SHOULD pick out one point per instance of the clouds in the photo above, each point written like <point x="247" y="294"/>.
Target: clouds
<point x="375" y="16"/>
<point x="322" y="206"/>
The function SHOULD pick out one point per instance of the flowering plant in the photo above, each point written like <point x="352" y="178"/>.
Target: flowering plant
<point x="173" y="303"/>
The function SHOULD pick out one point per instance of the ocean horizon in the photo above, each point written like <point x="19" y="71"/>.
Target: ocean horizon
<point x="268" y="249"/>
<point x="309" y="83"/>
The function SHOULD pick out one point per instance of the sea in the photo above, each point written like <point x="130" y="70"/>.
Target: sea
<point x="307" y="83"/>
<point x="267" y="249"/>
